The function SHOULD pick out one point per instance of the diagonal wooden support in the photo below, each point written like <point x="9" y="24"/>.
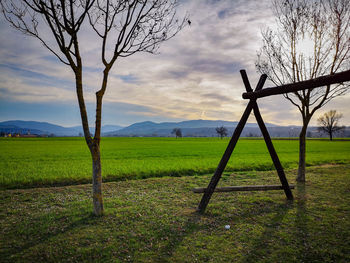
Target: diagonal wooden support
<point x="232" y="144"/>
<point x="268" y="141"/>
<point x="272" y="151"/>
<point x="252" y="105"/>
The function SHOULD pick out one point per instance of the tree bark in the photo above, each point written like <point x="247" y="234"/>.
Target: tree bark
<point x="94" y="147"/>
<point x="95" y="151"/>
<point x="97" y="180"/>
<point x="302" y="151"/>
<point x="331" y="135"/>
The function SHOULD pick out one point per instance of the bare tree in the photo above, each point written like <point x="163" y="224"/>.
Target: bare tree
<point x="177" y="132"/>
<point x="329" y="123"/>
<point x="222" y="131"/>
<point x="124" y="27"/>
<point x="312" y="39"/>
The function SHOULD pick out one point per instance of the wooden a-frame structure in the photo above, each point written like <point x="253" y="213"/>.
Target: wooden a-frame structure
<point x="253" y="106"/>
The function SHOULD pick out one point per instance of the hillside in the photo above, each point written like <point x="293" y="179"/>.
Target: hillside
<point x="206" y="128"/>
<point x="192" y="128"/>
<point x="45" y="128"/>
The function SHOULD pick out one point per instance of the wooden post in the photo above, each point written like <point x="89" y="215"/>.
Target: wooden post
<point x="252" y="105"/>
<point x="272" y="152"/>
<point x="243" y="188"/>
<point x="268" y="141"/>
<point x="302" y="85"/>
<point x="232" y="144"/>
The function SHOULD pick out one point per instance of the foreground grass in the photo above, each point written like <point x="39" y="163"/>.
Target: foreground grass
<point x="27" y="162"/>
<point x="154" y="220"/>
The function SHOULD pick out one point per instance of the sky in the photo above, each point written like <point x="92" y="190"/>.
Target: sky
<point x="194" y="76"/>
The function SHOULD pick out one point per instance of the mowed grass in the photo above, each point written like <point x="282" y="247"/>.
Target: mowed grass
<point x="154" y="220"/>
<point x="32" y="162"/>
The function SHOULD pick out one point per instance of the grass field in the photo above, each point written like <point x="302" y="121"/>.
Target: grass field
<point x="154" y="220"/>
<point x="31" y="162"/>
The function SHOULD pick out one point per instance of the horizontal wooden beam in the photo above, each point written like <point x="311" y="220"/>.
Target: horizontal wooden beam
<point x="243" y="188"/>
<point x="302" y="85"/>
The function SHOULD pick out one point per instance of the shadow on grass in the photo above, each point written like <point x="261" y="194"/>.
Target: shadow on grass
<point x="194" y="224"/>
<point x="259" y="247"/>
<point x="176" y="240"/>
<point x="38" y="234"/>
<point x="301" y="222"/>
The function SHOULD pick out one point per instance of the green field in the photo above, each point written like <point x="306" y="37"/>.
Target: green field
<point x="154" y="220"/>
<point x="31" y="162"/>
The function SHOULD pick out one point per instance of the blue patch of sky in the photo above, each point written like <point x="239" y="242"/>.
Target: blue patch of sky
<point x="235" y="67"/>
<point x="67" y="114"/>
<point x="213" y="65"/>
<point x="51" y="58"/>
<point x="128" y="78"/>
<point x="35" y="78"/>
<point x="4" y="91"/>
<point x="213" y="2"/>
<point x="93" y="69"/>
<point x="222" y="14"/>
<point x="125" y="114"/>
<point x="58" y="113"/>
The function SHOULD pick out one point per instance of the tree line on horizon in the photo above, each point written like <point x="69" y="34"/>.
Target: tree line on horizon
<point x="142" y="26"/>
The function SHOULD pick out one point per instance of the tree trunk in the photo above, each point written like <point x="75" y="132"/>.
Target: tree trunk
<point x="97" y="181"/>
<point x="331" y="135"/>
<point x="302" y="146"/>
<point x="94" y="147"/>
<point x="302" y="151"/>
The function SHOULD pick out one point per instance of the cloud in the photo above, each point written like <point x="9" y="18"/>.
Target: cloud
<point x="195" y="75"/>
<point x="217" y="97"/>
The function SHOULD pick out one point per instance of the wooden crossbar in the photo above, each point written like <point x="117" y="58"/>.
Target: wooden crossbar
<point x="252" y="106"/>
<point x="242" y="188"/>
<point x="302" y="85"/>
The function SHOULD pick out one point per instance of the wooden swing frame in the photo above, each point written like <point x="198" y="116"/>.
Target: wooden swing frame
<point x="253" y="106"/>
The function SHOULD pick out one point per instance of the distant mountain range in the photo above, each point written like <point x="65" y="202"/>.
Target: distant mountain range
<point x="45" y="128"/>
<point x="199" y="128"/>
<point x="193" y="128"/>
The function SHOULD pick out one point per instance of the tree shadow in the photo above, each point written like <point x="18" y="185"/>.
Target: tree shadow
<point x="301" y="222"/>
<point x="175" y="240"/>
<point x="193" y="225"/>
<point x="300" y="235"/>
<point x="257" y="250"/>
<point x="35" y="237"/>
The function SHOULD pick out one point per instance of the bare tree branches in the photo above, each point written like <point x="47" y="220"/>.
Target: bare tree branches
<point x="312" y="40"/>
<point x="134" y="26"/>
<point x="130" y="26"/>
<point x="329" y="123"/>
<point x="177" y="132"/>
<point x="125" y="27"/>
<point x="63" y="18"/>
<point x="222" y="131"/>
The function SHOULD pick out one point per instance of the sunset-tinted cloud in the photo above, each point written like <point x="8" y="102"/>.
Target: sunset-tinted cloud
<point x="196" y="75"/>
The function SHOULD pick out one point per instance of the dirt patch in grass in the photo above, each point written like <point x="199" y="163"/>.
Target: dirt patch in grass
<point x="328" y="165"/>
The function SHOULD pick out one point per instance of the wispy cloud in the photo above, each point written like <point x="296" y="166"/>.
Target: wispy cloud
<point x="196" y="75"/>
